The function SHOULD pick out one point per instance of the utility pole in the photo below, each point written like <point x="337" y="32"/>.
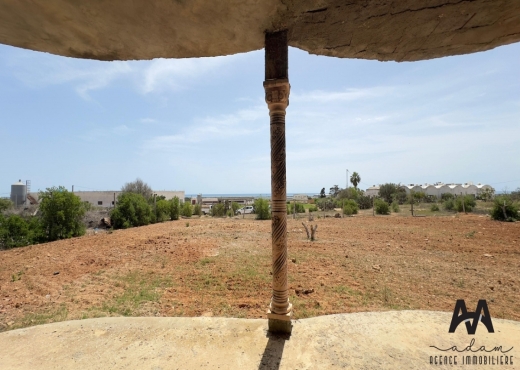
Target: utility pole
<point x="347" y="180"/>
<point x="72" y="189"/>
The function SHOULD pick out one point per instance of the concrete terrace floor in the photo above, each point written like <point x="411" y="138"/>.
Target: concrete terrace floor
<point x="366" y="340"/>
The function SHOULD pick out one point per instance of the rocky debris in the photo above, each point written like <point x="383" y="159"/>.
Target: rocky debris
<point x="377" y="267"/>
<point x="106" y="222"/>
<point x="303" y="291"/>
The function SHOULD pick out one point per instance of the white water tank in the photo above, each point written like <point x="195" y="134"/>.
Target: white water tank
<point x="18" y="193"/>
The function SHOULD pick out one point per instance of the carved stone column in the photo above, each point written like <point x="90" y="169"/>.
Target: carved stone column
<point x="277" y="89"/>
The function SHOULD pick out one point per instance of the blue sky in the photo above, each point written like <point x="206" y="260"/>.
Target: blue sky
<point x="202" y="125"/>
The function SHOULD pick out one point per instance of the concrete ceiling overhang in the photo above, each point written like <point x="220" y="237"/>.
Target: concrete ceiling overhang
<point x="400" y="30"/>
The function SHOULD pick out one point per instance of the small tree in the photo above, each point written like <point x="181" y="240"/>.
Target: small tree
<point x="382" y="207"/>
<point x="197" y="210"/>
<point x="364" y="202"/>
<point x="175" y="208"/>
<point x="447" y="196"/>
<point x="14" y="232"/>
<point x="322" y="193"/>
<point x="5" y="204"/>
<point x="61" y="213"/>
<point x="218" y="210"/>
<point x="186" y="209"/>
<point x="387" y="191"/>
<point x="469" y="203"/>
<point x="449" y="205"/>
<point x="325" y="204"/>
<point x="487" y="194"/>
<point x="262" y="210"/>
<point x="350" y="207"/>
<point x="300" y="208"/>
<point x="333" y="191"/>
<point x="131" y="210"/>
<point x="355" y="179"/>
<point x="162" y="210"/>
<point x="504" y="209"/>
<point x="350" y="193"/>
<point x="235" y="207"/>
<point x="138" y="187"/>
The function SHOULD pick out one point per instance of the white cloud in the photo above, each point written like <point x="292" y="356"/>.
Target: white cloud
<point x="211" y="129"/>
<point x="38" y="70"/>
<point x="320" y="96"/>
<point x="148" y="120"/>
<point x="175" y="74"/>
<point x="122" y="130"/>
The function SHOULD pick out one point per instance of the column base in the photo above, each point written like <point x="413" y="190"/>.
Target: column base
<point x="279" y="323"/>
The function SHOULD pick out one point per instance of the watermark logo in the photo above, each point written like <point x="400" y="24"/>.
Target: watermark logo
<point x="472" y="354"/>
<point x="466" y="316"/>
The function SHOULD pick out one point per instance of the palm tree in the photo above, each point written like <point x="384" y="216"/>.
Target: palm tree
<point x="355" y="179"/>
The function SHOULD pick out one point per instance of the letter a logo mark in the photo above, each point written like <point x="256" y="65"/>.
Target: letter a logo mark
<point x="477" y="316"/>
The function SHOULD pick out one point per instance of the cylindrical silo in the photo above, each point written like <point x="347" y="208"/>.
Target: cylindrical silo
<point x="18" y="193"/>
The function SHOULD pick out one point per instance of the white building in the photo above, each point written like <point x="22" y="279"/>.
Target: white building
<point x="438" y="189"/>
<point x="300" y="198"/>
<point x="107" y="198"/>
<point x="372" y="191"/>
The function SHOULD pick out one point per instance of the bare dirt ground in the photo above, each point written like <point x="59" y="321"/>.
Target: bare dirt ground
<point x="221" y="267"/>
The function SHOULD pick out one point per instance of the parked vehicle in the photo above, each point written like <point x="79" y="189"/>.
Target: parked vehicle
<point x="245" y="210"/>
<point x="206" y="209"/>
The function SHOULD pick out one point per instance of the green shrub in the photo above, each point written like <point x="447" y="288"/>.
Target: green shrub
<point x="300" y="208"/>
<point x="186" y="209"/>
<point x="14" y="232"/>
<point x="390" y="192"/>
<point x="468" y="201"/>
<point x="447" y="196"/>
<point x="395" y="207"/>
<point x="5" y="204"/>
<point x="364" y="202"/>
<point x="235" y="207"/>
<point x="382" y="207"/>
<point x="131" y="210"/>
<point x="218" y="210"/>
<point x="325" y="204"/>
<point x="434" y="207"/>
<point x="449" y="205"/>
<point x="261" y="207"/>
<point x="313" y="208"/>
<point x="350" y="207"/>
<point x="510" y="208"/>
<point x="61" y="213"/>
<point x="197" y="210"/>
<point x="162" y="210"/>
<point x="175" y="208"/>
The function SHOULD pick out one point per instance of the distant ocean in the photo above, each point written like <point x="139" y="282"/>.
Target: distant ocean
<point x="254" y="195"/>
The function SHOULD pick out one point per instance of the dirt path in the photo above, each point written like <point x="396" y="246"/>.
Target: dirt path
<point x="221" y="267"/>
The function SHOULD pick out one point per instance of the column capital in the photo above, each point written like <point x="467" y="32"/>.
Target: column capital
<point x="277" y="92"/>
